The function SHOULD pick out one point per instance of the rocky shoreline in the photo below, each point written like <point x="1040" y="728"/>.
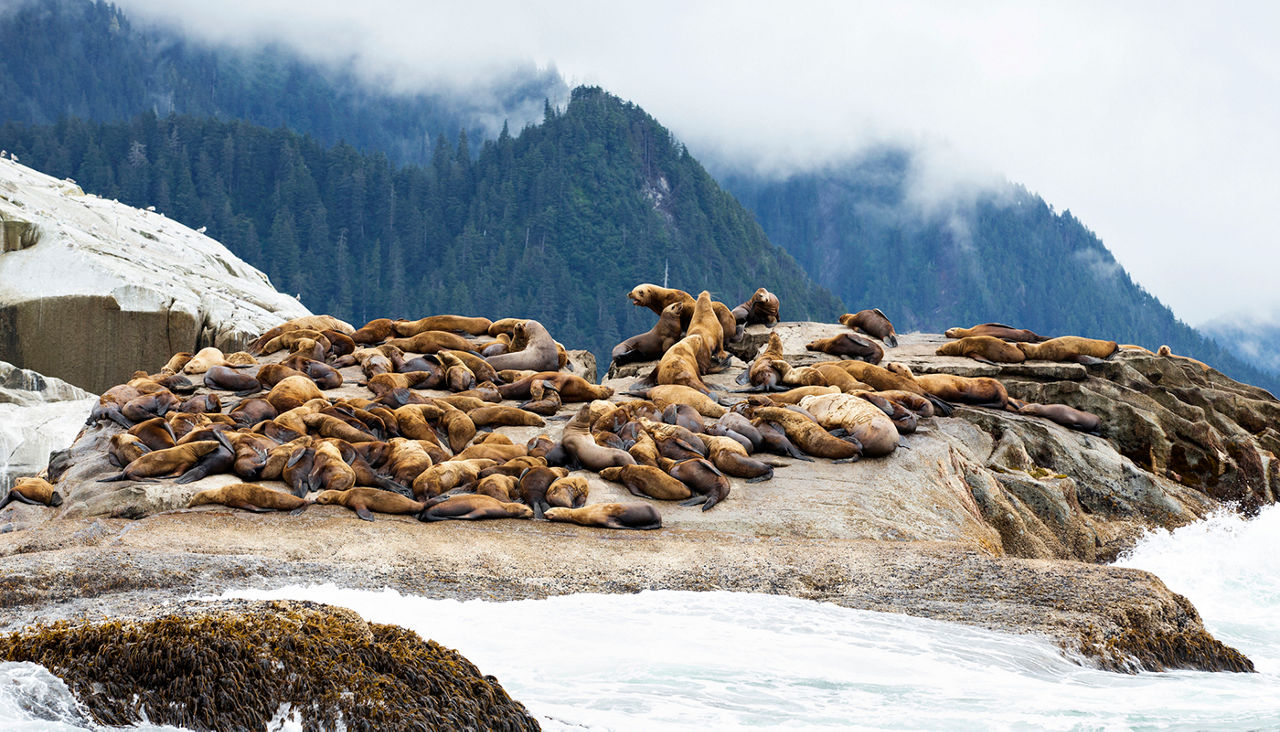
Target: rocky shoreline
<point x="987" y="518"/>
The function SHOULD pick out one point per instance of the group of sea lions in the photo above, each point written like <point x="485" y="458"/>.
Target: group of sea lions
<point x="266" y="418"/>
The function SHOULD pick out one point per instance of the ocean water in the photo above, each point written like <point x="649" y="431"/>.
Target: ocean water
<point x="701" y="661"/>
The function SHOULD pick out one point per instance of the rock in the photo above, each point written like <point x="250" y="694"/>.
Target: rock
<point x="91" y="289"/>
<point x="38" y="415"/>
<point x="232" y="664"/>
<point x="582" y="363"/>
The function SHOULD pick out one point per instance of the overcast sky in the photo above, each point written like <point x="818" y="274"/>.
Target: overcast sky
<point x="1155" y="123"/>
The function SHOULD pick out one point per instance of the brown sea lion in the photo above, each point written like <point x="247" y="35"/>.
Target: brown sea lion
<point x="980" y="391"/>
<point x="532" y="347"/>
<point x="325" y="376"/>
<point x="473" y="507"/>
<point x="569" y="387"/>
<point x="848" y="345"/>
<point x="761" y="307"/>
<point x="916" y="403"/>
<point x="501" y="416"/>
<point x="205" y="403"/>
<point x="647" y="481"/>
<point x="1069" y="348"/>
<point x="702" y="478"/>
<point x="33" y="491"/>
<point x="533" y="486"/>
<point x="375" y="331"/>
<point x="680" y="365"/>
<point x="155" y="433"/>
<point x="147" y="406"/>
<point x="873" y="323"/>
<point x="808" y="435"/>
<point x="997" y="330"/>
<point x="793" y="396"/>
<point x="704" y="323"/>
<point x="297" y="470"/>
<point x="732" y="458"/>
<point x="1069" y="417"/>
<point x="858" y="417"/>
<point x="987" y="349"/>
<point x="652" y="344"/>
<point x="273" y="373"/>
<point x="295" y="340"/>
<point x="668" y="394"/>
<point x="482" y="369"/>
<point x="765" y="371"/>
<point x="674" y="441"/>
<point x="366" y="501"/>
<point x="167" y="463"/>
<point x="329" y="471"/>
<point x="455" y="323"/>
<point x="293" y="392"/>
<point x="176" y="362"/>
<point x="610" y="516"/>
<point x="219" y="460"/>
<point x="498" y="453"/>
<point x="385" y="383"/>
<point x="568" y="492"/>
<point x="505" y="488"/>
<point x="309" y="322"/>
<point x="505" y="326"/>
<point x="124" y="448"/>
<point x="448" y="475"/>
<point x="658" y="298"/>
<point x="431" y="341"/>
<point x="408" y="460"/>
<point x="225" y="378"/>
<point x="250" y="497"/>
<point x="685" y="416"/>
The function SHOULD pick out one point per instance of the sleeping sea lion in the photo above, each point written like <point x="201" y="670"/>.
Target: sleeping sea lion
<point x="1069" y="348"/>
<point x="567" y="491"/>
<point x="457" y="323"/>
<point x="858" y="417"/>
<point x="848" y="345"/>
<point x="988" y="349"/>
<point x="808" y="435"/>
<point x="167" y="463"/>
<point x="365" y="501"/>
<point x="610" y="516"/>
<point x="647" y="481"/>
<point x="474" y="507"/>
<point x="702" y="478"/>
<point x="873" y="323"/>
<point x="250" y="497"/>
<point x="33" y="491"/>
<point x="997" y="330"/>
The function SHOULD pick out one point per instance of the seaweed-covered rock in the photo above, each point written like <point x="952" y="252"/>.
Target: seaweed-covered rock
<point x="230" y="665"/>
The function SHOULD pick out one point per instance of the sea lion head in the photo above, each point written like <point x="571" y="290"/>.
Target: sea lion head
<point x="952" y="333"/>
<point x="641" y="294"/>
<point x="329" y="497"/>
<point x="55" y="499"/>
<point x="899" y="369"/>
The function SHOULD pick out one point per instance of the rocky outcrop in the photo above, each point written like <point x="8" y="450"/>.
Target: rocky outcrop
<point x="237" y="665"/>
<point x="91" y="289"/>
<point x="37" y="416"/>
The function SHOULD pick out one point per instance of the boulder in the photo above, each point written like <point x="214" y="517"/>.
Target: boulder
<point x="38" y="415"/>
<point x="91" y="289"/>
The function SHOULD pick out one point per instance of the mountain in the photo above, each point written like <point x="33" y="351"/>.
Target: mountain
<point x="1256" y="342"/>
<point x="83" y="59"/>
<point x="863" y="230"/>
<point x="556" y="223"/>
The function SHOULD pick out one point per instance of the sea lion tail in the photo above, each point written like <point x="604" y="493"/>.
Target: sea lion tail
<point x="113" y="478"/>
<point x="891" y="340"/>
<point x="940" y="406"/>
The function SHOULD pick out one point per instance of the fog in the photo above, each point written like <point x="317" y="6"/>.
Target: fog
<point x="1154" y="123"/>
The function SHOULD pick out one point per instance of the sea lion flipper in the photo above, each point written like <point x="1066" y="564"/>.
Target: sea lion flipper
<point x="363" y="513"/>
<point x="298" y="511"/>
<point x="695" y="500"/>
<point x="762" y="478"/>
<point x="743" y="377"/>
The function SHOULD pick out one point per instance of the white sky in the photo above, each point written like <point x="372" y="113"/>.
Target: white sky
<point x="1156" y="123"/>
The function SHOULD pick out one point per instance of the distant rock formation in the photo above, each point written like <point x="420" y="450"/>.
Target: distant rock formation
<point x="91" y="289"/>
<point x="37" y="416"/>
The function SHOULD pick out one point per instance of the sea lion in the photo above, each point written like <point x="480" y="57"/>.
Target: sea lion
<point x="375" y="331"/>
<point x="704" y="323"/>
<point x="430" y="341"/>
<point x="674" y="441"/>
<point x="385" y="383"/>
<point x="793" y="396"/>
<point x="534" y="483"/>
<point x="293" y="392"/>
<point x="568" y="492"/>
<point x="1069" y="348"/>
<point x="505" y="326"/>
<point x="584" y="449"/>
<point x="733" y="459"/>
<point x="308" y="322"/>
<point x="1069" y="417"/>
<point x="297" y="470"/>
<point x="505" y="488"/>
<point x="873" y="323"/>
<point x="219" y="460"/>
<point x="148" y="406"/>
<point x="33" y="491"/>
<point x="500" y="416"/>
<point x="703" y="479"/>
<point x="808" y="435"/>
<point x="155" y="433"/>
<point x="124" y="448"/>
<point x="848" y="345"/>
<point x="644" y="450"/>
<point x="765" y="371"/>
<point x="658" y="298"/>
<point x="987" y="349"/>
<point x="295" y="341"/>
<point x="761" y="307"/>
<point x="681" y="365"/>
<point x="325" y="376"/>
<point x="225" y="378"/>
<point x="474" y="507"/>
<point x="653" y="343"/>
<point x="204" y="359"/>
<point x="532" y="347"/>
<point x="273" y="373"/>
<point x="684" y="416"/>
<point x="408" y="460"/>
<point x="647" y="481"/>
<point x="457" y="323"/>
<point x="458" y="377"/>
<point x="610" y="516"/>
<point x="997" y="330"/>
<point x="329" y="471"/>
<point x="250" y="497"/>
<point x="550" y="450"/>
<point x="482" y="369"/>
<point x="167" y="463"/>
<point x="858" y="417"/>
<point x="448" y="475"/>
<point x="110" y="403"/>
<point x="979" y="391"/>
<point x="495" y="452"/>
<point x="205" y="403"/>
<point x="668" y="394"/>
<point x="176" y="362"/>
<point x="569" y="387"/>
<point x="365" y="501"/>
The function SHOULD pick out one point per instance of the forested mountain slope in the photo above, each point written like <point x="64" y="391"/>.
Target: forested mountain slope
<point x="557" y="223"/>
<point x="999" y="254"/>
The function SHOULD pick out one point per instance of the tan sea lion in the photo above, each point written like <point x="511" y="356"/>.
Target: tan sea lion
<point x="293" y="392"/>
<point x="666" y="395"/>
<point x="980" y="391"/>
<point x="987" y="349"/>
<point x="610" y="516"/>
<point x="167" y="463"/>
<point x="704" y="323"/>
<point x="250" y="497"/>
<point x="505" y="488"/>
<point x="204" y="359"/>
<point x="309" y="322"/>
<point x="125" y="448"/>
<point x="296" y="340"/>
<point x="431" y="341"/>
<point x="176" y="362"/>
<point x="375" y="331"/>
<point x="681" y="365"/>
<point x="648" y="481"/>
<point x="33" y="491"/>
<point x="873" y="323"/>
<point x="448" y="475"/>
<point x="858" y="417"/>
<point x="567" y="491"/>
<point x="366" y="501"/>
<point x="1069" y="348"/>
<point x="532" y="347"/>
<point x="473" y="507"/>
<point x="808" y="435"/>
<point x="996" y="330"/>
<point x="502" y="416"/>
<point x="456" y="323"/>
<point x="329" y="471"/>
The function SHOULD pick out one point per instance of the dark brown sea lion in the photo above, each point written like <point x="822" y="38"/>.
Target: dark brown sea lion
<point x="569" y="387"/>
<point x="765" y="371"/>
<point x="685" y="416"/>
<point x="873" y="323"/>
<point x="652" y="344"/>
<point x="325" y="376"/>
<point x="532" y="347"/>
<point x="648" y="481"/>
<point x="987" y="349"/>
<point x="674" y="441"/>
<point x="147" y="406"/>
<point x="34" y="491"/>
<point x="252" y="411"/>
<point x="610" y="516"/>
<point x="703" y="479"/>
<point x="848" y="345"/>
<point x="473" y="507"/>
<point x="997" y="330"/>
<point x="1069" y="348"/>
<point x="250" y="497"/>
<point x="457" y="323"/>
<point x="273" y="373"/>
<point x="774" y="439"/>
<point x="226" y="378"/>
<point x="375" y="331"/>
<point x="213" y="462"/>
<point x="505" y="488"/>
<point x="1069" y="417"/>
<point x="366" y="501"/>
<point x="210" y="403"/>
<point x="761" y="307"/>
